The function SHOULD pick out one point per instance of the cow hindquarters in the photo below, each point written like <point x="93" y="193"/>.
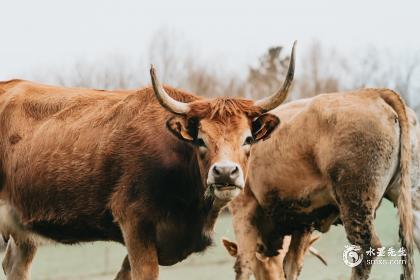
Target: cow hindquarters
<point x="357" y="204"/>
<point x="358" y="192"/>
<point x="18" y="259"/>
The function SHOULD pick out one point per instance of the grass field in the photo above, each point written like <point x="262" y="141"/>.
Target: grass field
<point x="100" y="261"/>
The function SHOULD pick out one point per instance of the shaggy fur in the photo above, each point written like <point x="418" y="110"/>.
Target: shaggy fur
<point x="80" y="165"/>
<point x="332" y="161"/>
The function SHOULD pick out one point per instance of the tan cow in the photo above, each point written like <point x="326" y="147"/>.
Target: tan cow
<point x="147" y="168"/>
<point x="333" y="159"/>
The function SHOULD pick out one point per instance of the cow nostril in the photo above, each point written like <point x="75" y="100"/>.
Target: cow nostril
<point x="234" y="171"/>
<point x="216" y="170"/>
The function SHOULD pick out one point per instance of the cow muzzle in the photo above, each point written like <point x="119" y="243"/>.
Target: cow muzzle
<point x="225" y="180"/>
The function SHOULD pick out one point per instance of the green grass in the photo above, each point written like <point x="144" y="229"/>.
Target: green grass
<point x="99" y="261"/>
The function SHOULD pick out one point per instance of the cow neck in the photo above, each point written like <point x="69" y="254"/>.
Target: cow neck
<point x="197" y="182"/>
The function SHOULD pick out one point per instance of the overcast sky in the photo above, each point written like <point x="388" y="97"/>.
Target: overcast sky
<point x="36" y="34"/>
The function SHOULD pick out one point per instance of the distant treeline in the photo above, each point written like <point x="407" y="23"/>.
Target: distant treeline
<point x="319" y="70"/>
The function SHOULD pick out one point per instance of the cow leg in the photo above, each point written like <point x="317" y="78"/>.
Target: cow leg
<point x="360" y="231"/>
<point x="18" y="259"/>
<point x="293" y="261"/>
<point x="357" y="210"/>
<point x="142" y="255"/>
<point x="243" y="209"/>
<point x="125" y="271"/>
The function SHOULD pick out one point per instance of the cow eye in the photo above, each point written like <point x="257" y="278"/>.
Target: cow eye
<point x="248" y="141"/>
<point x="200" y="143"/>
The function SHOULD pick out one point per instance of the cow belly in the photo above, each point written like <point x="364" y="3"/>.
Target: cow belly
<point x="282" y="220"/>
<point x="82" y="229"/>
<point x="11" y="225"/>
<point x="76" y="231"/>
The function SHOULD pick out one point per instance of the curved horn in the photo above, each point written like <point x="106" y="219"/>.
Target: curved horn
<point x="315" y="252"/>
<point x="165" y="100"/>
<point x="272" y="101"/>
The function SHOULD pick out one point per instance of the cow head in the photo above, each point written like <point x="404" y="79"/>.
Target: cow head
<point x="222" y="131"/>
<point x="268" y="268"/>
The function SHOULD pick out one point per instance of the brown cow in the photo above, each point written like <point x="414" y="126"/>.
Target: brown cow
<point x="83" y="165"/>
<point x="332" y="160"/>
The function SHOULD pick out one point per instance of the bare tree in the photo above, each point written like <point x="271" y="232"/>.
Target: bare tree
<point x="110" y="72"/>
<point x="168" y="55"/>
<point x="268" y="75"/>
<point x="404" y="79"/>
<point x="320" y="70"/>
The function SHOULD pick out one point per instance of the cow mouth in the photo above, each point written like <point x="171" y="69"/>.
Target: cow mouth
<point x="223" y="191"/>
<point x="225" y="187"/>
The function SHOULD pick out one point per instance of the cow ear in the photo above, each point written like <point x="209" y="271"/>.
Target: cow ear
<point x="183" y="128"/>
<point x="230" y="246"/>
<point x="263" y="126"/>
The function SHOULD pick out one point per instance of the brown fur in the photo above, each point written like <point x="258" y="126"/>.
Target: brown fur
<point x="83" y="165"/>
<point x="332" y="161"/>
<point x="222" y="109"/>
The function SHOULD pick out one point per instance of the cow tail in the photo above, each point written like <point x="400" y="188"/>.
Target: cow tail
<point x="405" y="210"/>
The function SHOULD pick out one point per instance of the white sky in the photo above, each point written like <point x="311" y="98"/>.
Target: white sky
<point x="36" y="34"/>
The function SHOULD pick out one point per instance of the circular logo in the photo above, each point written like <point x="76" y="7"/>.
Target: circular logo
<point x="351" y="257"/>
